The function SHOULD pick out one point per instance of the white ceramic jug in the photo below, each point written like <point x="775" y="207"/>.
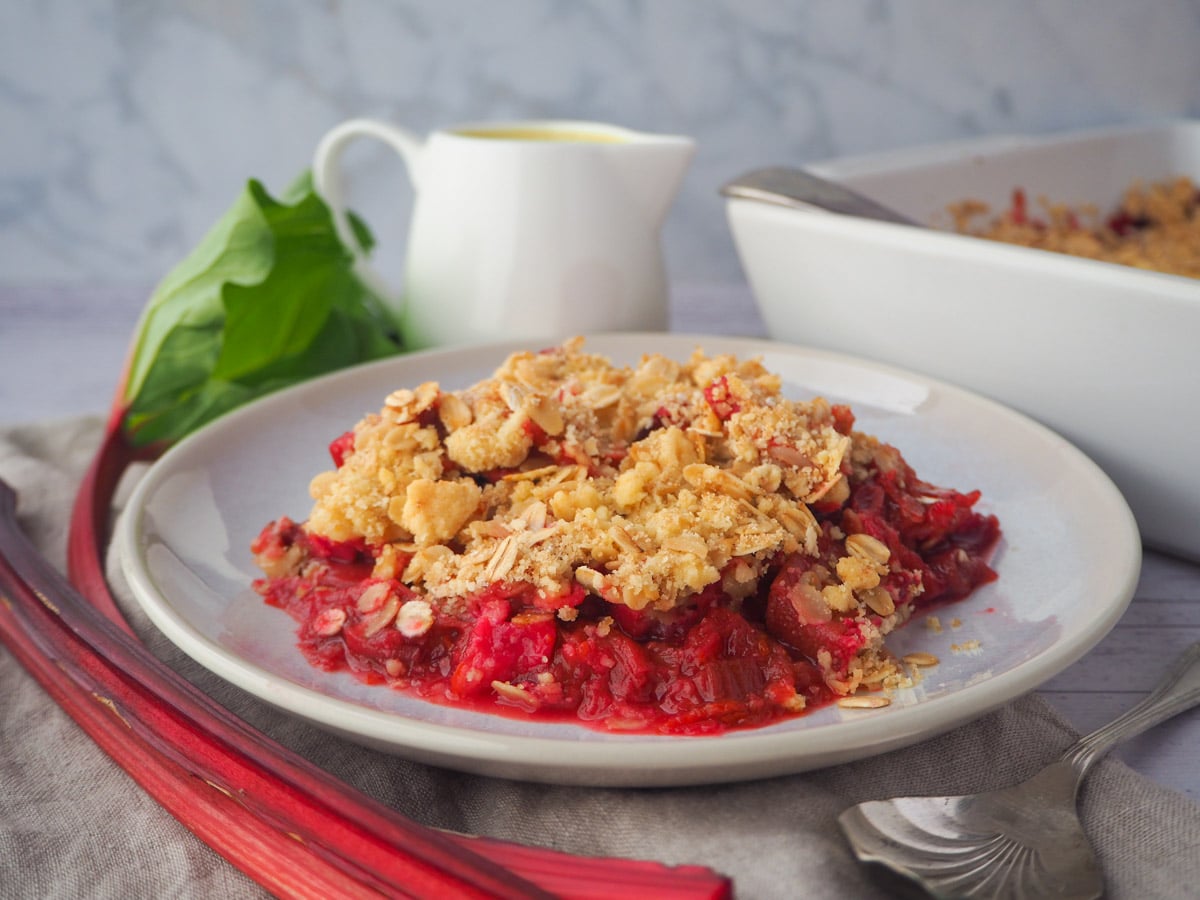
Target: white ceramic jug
<point x="524" y="229"/>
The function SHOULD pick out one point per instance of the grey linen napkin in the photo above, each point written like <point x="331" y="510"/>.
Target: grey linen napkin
<point x="72" y="824"/>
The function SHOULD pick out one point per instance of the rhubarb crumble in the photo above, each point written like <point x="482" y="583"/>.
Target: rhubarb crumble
<point x="672" y="547"/>
<point x="1156" y="226"/>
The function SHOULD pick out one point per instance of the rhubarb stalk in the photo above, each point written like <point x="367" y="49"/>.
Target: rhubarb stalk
<point x="290" y="826"/>
<point x="169" y="718"/>
<point x="88" y="532"/>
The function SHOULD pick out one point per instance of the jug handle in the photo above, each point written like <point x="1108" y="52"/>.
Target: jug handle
<point x="329" y="184"/>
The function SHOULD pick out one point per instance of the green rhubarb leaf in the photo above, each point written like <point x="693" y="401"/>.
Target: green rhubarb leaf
<point x="267" y="299"/>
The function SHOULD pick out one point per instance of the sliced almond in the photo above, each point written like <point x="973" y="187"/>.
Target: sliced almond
<point x="687" y="543"/>
<point x="545" y="414"/>
<point x="880" y="601"/>
<point x="414" y="618"/>
<point x="454" y="412"/>
<point x="329" y="622"/>
<point x="373" y="598"/>
<point x="863" y="702"/>
<point x="921" y="658"/>
<point x="383" y="618"/>
<point x="502" y="560"/>
<point x="515" y="694"/>
<point x="788" y="456"/>
<point x="864" y="546"/>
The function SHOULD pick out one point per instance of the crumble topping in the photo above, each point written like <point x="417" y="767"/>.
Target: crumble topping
<point x="641" y="484"/>
<point x="1156" y="227"/>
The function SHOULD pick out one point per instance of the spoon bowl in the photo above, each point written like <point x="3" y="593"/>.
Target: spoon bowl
<point x="1017" y="842"/>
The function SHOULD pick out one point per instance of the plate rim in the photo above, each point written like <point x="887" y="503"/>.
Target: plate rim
<point x="759" y="752"/>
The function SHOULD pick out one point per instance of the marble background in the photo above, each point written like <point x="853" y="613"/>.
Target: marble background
<point x="128" y="126"/>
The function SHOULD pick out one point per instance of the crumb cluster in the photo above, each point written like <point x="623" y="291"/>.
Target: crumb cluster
<point x="643" y="485"/>
<point x="1157" y="227"/>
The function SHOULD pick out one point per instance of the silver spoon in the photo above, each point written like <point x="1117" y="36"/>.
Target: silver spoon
<point x="797" y="188"/>
<point x="1019" y="842"/>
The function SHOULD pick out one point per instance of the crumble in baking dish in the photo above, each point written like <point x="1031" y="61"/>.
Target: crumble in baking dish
<point x="1156" y="227"/>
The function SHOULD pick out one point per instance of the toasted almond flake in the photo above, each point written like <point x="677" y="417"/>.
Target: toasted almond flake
<point x="749" y="542"/>
<point x="414" y="618"/>
<point x="880" y="601"/>
<point x="788" y="455"/>
<point x="534" y="515"/>
<point x="728" y="483"/>
<point x="864" y="546"/>
<point x="797" y="519"/>
<point x="399" y="399"/>
<point x="371" y="599"/>
<point x="623" y="539"/>
<point x="513" y="396"/>
<point x="384" y="617"/>
<point x="577" y="472"/>
<point x="591" y="579"/>
<point x="702" y="475"/>
<point x="545" y="414"/>
<point x="398" y="438"/>
<point x="536" y="474"/>
<point x="407" y="405"/>
<point x="492" y="528"/>
<point x="329" y="622"/>
<point x="863" y="702"/>
<point x="454" y="412"/>
<point x="515" y="693"/>
<point x="533" y="538"/>
<point x="529" y="375"/>
<point x="624" y="723"/>
<point x="601" y="396"/>
<point x="532" y="617"/>
<point x="502" y="560"/>
<point x="885" y="671"/>
<point x="709" y="427"/>
<point x="478" y="556"/>
<point x="687" y="543"/>
<point x="921" y="658"/>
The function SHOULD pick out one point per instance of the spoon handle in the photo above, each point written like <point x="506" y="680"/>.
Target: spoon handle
<point x="798" y="188"/>
<point x="1178" y="690"/>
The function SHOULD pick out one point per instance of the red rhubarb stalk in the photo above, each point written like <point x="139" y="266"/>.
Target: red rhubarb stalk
<point x="181" y="725"/>
<point x="214" y="816"/>
<point x="288" y="824"/>
<point x="87" y="537"/>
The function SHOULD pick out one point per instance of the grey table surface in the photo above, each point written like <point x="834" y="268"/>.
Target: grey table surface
<point x="61" y="349"/>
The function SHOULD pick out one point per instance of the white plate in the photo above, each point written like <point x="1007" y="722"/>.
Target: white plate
<point x="1068" y="564"/>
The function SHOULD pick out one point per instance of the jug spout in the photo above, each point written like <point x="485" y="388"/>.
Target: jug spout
<point x="654" y="168"/>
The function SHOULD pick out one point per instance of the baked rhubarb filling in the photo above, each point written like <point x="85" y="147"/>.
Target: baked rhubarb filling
<point x="673" y="547"/>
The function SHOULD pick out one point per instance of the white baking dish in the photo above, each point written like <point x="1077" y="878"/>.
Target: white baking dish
<point x="1104" y="354"/>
